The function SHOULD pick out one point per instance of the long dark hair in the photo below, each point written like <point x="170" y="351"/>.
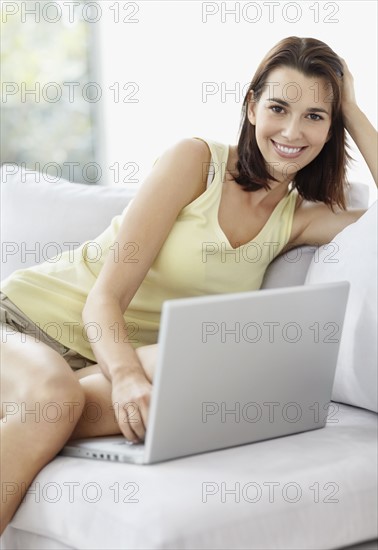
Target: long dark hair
<point x="324" y="178"/>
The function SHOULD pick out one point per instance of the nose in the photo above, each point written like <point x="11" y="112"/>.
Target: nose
<point x="292" y="129"/>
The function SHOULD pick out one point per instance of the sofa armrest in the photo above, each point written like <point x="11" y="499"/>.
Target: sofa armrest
<point x="290" y="269"/>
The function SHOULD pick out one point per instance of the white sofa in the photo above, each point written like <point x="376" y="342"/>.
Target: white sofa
<point x="313" y="490"/>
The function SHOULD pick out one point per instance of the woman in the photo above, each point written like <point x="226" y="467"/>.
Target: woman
<point x="282" y="180"/>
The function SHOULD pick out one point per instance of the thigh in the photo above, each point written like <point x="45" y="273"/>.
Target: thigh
<point x="147" y="355"/>
<point x="99" y="416"/>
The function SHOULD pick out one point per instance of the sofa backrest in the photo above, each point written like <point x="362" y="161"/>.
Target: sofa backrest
<point x="40" y="218"/>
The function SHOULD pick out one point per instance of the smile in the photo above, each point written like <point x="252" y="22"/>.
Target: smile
<point x="287" y="152"/>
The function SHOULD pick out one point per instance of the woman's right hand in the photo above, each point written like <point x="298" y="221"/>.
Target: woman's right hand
<point x="131" y="395"/>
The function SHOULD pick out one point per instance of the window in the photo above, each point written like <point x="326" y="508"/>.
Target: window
<point x="49" y="91"/>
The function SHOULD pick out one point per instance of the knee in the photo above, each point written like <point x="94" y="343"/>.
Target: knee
<point x="63" y="391"/>
<point x="51" y="393"/>
<point x="45" y="412"/>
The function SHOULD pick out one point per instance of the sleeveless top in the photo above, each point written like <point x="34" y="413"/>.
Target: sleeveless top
<point x="196" y="259"/>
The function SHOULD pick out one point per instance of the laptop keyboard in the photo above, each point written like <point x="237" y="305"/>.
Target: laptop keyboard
<point x="131" y="447"/>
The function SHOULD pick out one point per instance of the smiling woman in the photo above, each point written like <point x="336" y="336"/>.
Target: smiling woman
<point x="291" y="154"/>
<point x="290" y="128"/>
<point x="295" y="101"/>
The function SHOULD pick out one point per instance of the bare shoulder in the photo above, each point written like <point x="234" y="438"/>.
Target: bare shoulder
<point x="176" y="179"/>
<point x="188" y="159"/>
<point x="317" y="224"/>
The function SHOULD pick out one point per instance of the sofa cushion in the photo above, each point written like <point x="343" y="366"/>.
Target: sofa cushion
<point x="316" y="489"/>
<point x="290" y="269"/>
<point x="41" y="218"/>
<point x="352" y="256"/>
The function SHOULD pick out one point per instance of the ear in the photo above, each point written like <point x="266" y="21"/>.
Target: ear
<point x="251" y="112"/>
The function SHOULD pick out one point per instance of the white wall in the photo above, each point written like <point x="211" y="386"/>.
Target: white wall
<point x="174" y="48"/>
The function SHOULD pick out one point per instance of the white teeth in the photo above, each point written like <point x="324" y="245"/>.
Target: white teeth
<point x="287" y="150"/>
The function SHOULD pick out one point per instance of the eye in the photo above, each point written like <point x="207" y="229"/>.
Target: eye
<point x="277" y="109"/>
<point x="315" y="117"/>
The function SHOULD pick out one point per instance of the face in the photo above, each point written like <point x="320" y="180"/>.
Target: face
<point x="292" y="119"/>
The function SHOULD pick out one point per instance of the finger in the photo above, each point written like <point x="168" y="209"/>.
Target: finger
<point x="144" y="405"/>
<point x="124" y="424"/>
<point x="144" y="411"/>
<point x="138" y="412"/>
<point x="135" y="420"/>
<point x="125" y="427"/>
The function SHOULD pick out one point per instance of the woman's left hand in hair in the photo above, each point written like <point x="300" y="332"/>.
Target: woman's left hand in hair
<point x="348" y="94"/>
<point x="358" y="125"/>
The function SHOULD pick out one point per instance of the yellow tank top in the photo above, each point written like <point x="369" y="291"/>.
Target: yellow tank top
<point x="196" y="259"/>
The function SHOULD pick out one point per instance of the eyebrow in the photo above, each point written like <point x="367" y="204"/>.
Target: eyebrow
<point x="310" y="110"/>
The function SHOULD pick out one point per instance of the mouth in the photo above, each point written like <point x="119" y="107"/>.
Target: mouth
<point x="288" y="152"/>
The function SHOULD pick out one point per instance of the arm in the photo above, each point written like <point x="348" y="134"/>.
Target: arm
<point x="321" y="225"/>
<point x="357" y="124"/>
<point x="172" y="184"/>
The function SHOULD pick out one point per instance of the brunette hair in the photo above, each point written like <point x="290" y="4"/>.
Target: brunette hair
<point x="324" y="178"/>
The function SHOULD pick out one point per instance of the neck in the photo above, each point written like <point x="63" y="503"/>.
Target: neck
<point x="268" y="198"/>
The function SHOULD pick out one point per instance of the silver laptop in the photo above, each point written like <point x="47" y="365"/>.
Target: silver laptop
<point x="234" y="369"/>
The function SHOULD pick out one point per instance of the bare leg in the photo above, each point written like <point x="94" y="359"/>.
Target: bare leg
<point x="42" y="401"/>
<point x="99" y="417"/>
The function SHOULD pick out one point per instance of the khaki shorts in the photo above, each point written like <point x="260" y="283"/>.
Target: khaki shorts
<point x="12" y="316"/>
